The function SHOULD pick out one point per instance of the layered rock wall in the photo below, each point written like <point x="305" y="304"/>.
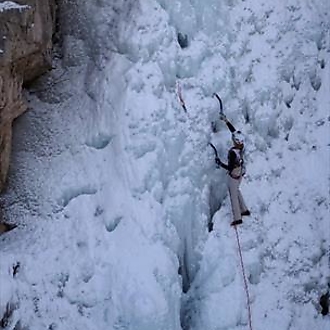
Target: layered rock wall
<point x="26" y="29"/>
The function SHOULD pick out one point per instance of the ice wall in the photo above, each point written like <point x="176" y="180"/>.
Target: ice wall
<point x="114" y="202"/>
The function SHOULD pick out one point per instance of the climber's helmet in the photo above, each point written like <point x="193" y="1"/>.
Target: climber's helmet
<point x="238" y="138"/>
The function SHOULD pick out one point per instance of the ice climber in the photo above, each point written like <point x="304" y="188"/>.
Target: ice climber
<point x="236" y="171"/>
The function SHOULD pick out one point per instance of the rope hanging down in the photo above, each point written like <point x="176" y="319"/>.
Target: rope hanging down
<point x="244" y="278"/>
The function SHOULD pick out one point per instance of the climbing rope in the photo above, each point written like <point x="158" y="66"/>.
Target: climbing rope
<point x="244" y="278"/>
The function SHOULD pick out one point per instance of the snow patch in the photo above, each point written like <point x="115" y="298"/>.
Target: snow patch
<point x="11" y="5"/>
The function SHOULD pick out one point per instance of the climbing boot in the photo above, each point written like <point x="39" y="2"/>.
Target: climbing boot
<point x="236" y="222"/>
<point x="246" y="213"/>
<point x="4" y="227"/>
<point x="324" y="302"/>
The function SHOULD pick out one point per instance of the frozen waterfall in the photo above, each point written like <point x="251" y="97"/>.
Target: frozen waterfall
<point x="113" y="185"/>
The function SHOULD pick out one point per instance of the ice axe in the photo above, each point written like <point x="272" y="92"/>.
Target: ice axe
<point x="215" y="150"/>
<point x="222" y="115"/>
<point x="217" y="159"/>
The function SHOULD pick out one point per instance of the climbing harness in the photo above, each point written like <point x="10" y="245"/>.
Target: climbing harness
<point x="244" y="278"/>
<point x="239" y="168"/>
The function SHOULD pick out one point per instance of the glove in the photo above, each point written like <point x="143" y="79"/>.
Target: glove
<point x="218" y="161"/>
<point x="223" y="117"/>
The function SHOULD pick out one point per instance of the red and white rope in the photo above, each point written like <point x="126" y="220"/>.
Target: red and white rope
<point x="248" y="303"/>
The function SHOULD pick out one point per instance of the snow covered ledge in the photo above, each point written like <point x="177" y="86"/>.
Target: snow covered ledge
<point x="26" y="29"/>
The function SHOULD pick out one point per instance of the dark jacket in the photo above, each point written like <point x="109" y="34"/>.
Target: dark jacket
<point x="235" y="166"/>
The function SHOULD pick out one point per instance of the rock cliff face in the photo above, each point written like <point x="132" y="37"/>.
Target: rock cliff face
<point x="26" y="29"/>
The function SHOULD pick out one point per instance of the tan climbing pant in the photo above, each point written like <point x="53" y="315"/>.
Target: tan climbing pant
<point x="237" y="202"/>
